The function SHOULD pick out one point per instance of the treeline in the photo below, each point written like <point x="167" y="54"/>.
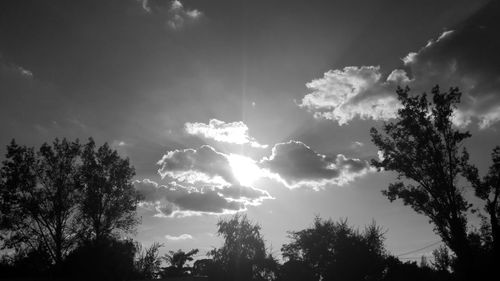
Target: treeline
<point x="327" y="250"/>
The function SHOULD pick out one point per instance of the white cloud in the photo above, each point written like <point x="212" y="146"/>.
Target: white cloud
<point x="25" y="72"/>
<point x="14" y="69"/>
<point x="466" y="57"/>
<point x="179" y="238"/>
<point x="179" y="15"/>
<point x="145" y="5"/>
<point x="233" y="132"/>
<point x="398" y="76"/>
<point x="489" y="117"/>
<point x="174" y="11"/>
<point x="202" y="181"/>
<point x="342" y="95"/>
<point x="410" y="58"/>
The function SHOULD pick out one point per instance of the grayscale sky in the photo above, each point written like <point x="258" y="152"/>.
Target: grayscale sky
<point x="262" y="107"/>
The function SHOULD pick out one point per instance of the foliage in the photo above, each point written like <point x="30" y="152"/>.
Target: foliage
<point x="243" y="255"/>
<point x="38" y="196"/>
<point x="442" y="260"/>
<point x="108" y="199"/>
<point x="62" y="196"/>
<point x="296" y="270"/>
<point x="106" y="259"/>
<point x="335" y="251"/>
<point x="204" y="268"/>
<point x="423" y="147"/>
<point x="488" y="190"/>
<point x="177" y="261"/>
<point x="148" y="261"/>
<point x="30" y="263"/>
<point x="410" y="271"/>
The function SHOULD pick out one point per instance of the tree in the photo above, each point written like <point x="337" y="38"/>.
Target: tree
<point x="295" y="270"/>
<point x="177" y="261"/>
<point x="243" y="255"/>
<point x="147" y="264"/>
<point x="410" y="271"/>
<point x="335" y="251"/>
<point x="203" y="267"/>
<point x="38" y="195"/>
<point x="488" y="190"/>
<point x="106" y="259"/>
<point x="442" y="260"/>
<point x="109" y="200"/>
<point x="423" y="147"/>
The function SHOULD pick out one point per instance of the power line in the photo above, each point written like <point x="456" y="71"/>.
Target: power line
<point x="415" y="258"/>
<point x="420" y="249"/>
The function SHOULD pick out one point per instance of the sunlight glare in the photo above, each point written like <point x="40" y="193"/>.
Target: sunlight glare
<point x="244" y="169"/>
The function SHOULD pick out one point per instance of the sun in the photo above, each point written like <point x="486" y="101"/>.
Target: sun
<point x="244" y="169"/>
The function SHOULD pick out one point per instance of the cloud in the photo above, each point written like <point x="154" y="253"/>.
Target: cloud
<point x="175" y="12"/>
<point x="12" y="69"/>
<point x="205" y="172"/>
<point x="342" y="95"/>
<point x="466" y="57"/>
<point x="197" y="165"/>
<point x="176" y="200"/>
<point x="202" y="181"/>
<point x="297" y="164"/>
<point x="233" y="132"/>
<point x="179" y="238"/>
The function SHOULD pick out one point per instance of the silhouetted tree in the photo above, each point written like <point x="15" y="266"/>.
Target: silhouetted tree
<point x="177" y="261"/>
<point x="442" y="260"/>
<point x="488" y="190"/>
<point x="296" y="270"/>
<point x="38" y="196"/>
<point x="108" y="199"/>
<point x="106" y="259"/>
<point x="204" y="268"/>
<point x="29" y="263"/>
<point x="335" y="251"/>
<point x="243" y="255"/>
<point x="410" y="271"/>
<point x="422" y="146"/>
<point x="148" y="261"/>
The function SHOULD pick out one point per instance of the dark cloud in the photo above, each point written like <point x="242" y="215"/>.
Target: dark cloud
<point x="195" y="165"/>
<point x="297" y="164"/>
<point x="175" y="199"/>
<point x="467" y="57"/>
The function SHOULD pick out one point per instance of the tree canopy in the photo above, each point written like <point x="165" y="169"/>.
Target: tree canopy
<point x="243" y="255"/>
<point x="426" y="150"/>
<point x="335" y="251"/>
<point x="62" y="195"/>
<point x="39" y="202"/>
<point x="108" y="198"/>
<point x="177" y="261"/>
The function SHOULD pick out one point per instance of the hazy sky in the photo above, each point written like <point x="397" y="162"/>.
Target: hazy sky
<point x="262" y="107"/>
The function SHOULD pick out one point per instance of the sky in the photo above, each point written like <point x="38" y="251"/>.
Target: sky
<point x="258" y="107"/>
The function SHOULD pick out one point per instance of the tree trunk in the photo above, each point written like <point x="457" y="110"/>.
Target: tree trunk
<point x="462" y="248"/>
